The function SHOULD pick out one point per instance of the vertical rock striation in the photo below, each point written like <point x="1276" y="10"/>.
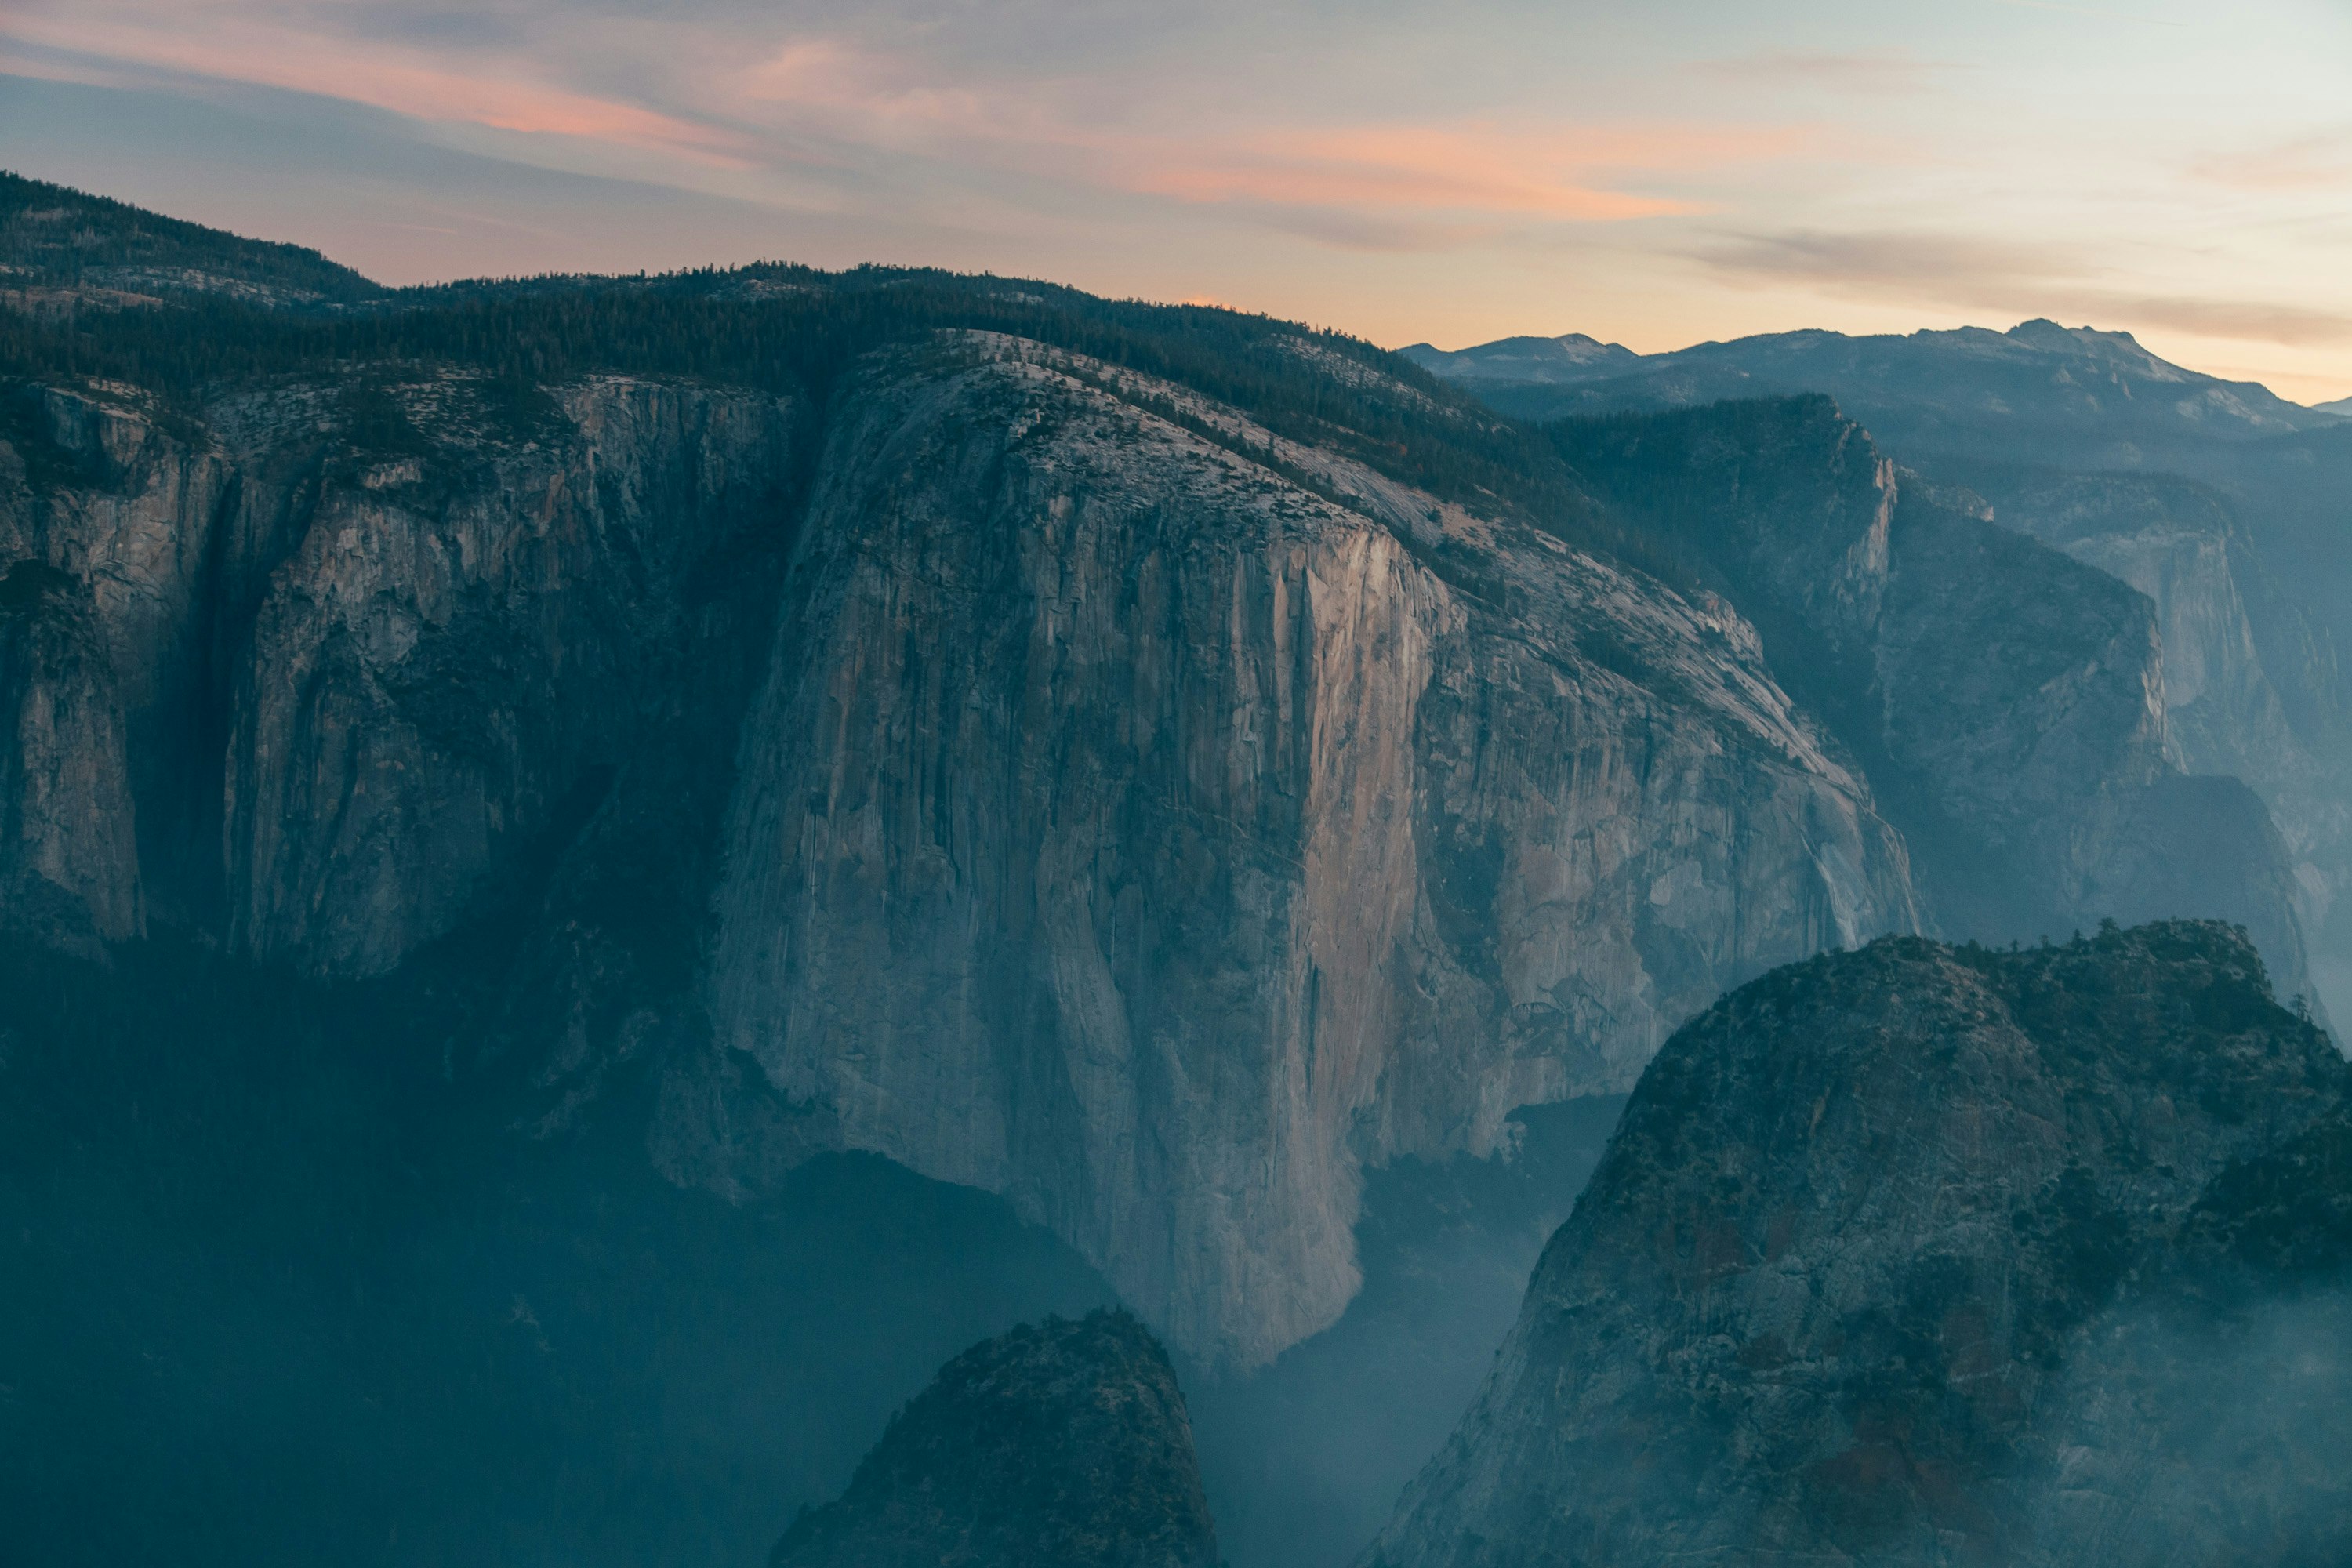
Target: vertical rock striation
<point x="2250" y="690"/>
<point x="857" y="733"/>
<point x="68" y="855"/>
<point x="352" y="680"/>
<point x="2008" y="705"/>
<point x="1131" y="827"/>
<point x="1165" y="810"/>
<point x="105" y="522"/>
<point x="461" y="639"/>
<point x="1043" y="775"/>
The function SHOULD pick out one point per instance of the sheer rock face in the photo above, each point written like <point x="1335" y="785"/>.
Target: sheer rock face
<point x="2249" y="687"/>
<point x="457" y="640"/>
<point x="2027" y="695"/>
<point x="132" y="521"/>
<point x="2013" y="680"/>
<point x="1130" y="827"/>
<point x="68" y="855"/>
<point x="104" y="519"/>
<point x="1924" y="1256"/>
<point x="1138" y="816"/>
<point x="2010" y="705"/>
<point x="1064" y="1445"/>
<point x="1141" y="816"/>
<point x="347" y="690"/>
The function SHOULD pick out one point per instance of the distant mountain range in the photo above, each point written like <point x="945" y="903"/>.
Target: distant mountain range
<point x="1547" y="362"/>
<point x="2083" y="388"/>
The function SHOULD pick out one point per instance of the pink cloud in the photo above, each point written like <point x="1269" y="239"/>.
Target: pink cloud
<point x="2308" y="163"/>
<point x="1378" y="184"/>
<point x="829" y="88"/>
<point x="818" y="101"/>
<point x="1536" y="171"/>
<point x="232" y="47"/>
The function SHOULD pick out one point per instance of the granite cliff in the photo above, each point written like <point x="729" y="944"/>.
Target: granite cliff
<point x="2013" y="709"/>
<point x="2222" y="503"/>
<point x="1215" y="842"/>
<point x="338" y="677"/>
<point x="1028" y="766"/>
<point x="1924" y="1255"/>
<point x="2251" y="687"/>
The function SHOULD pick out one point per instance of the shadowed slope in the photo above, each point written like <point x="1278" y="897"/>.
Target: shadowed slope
<point x="1059" y="1446"/>
<point x="1924" y="1255"/>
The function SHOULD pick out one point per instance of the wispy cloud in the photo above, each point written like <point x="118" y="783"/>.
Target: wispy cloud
<point x="1934" y="262"/>
<point x="2316" y="162"/>
<point x="1856" y="71"/>
<point x="2097" y="12"/>
<point x="835" y="87"/>
<point x="1566" y="173"/>
<point x="231" y="44"/>
<point x="736" y="102"/>
<point x="1958" y="271"/>
<point x="1370" y="233"/>
<point x="2249" y="321"/>
<point x="2093" y="158"/>
<point x="1404" y="184"/>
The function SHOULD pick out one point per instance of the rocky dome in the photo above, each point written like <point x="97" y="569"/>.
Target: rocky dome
<point x="1929" y="1255"/>
<point x="1060" y="1445"/>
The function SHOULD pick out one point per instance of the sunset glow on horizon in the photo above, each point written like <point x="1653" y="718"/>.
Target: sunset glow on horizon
<point x="1657" y="175"/>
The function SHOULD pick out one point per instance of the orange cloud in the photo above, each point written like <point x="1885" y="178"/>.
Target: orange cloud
<point x="1384" y="186"/>
<point x="836" y="91"/>
<point x="1341" y="185"/>
<point x="1682" y="147"/>
<point x="1477" y="168"/>
<point x="1521" y="171"/>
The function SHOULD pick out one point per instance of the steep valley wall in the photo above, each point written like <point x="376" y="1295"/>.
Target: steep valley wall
<point x="1033" y="773"/>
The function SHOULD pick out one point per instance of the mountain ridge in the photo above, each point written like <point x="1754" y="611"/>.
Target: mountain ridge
<point x="1816" y="360"/>
<point x="539" y="604"/>
<point x="65" y="246"/>
<point x="1571" y="356"/>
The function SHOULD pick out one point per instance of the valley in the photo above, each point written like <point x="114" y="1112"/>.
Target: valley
<point x="601" y="875"/>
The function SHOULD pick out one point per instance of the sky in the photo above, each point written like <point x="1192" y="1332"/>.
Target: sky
<point x="1657" y="175"/>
